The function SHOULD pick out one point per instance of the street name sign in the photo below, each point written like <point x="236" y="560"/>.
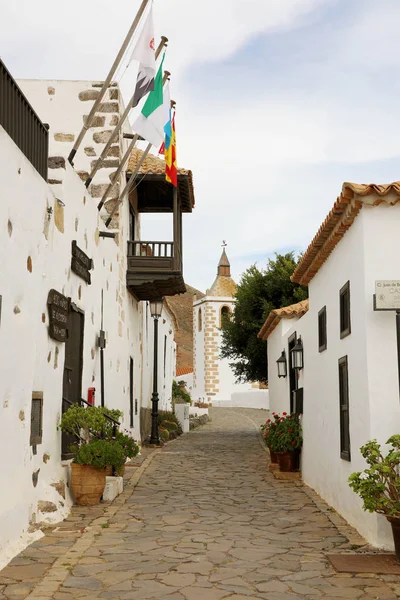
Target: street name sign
<point x="387" y="294"/>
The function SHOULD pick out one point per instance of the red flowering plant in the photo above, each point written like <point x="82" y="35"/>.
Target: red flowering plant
<point x="287" y="435"/>
<point x="270" y="429"/>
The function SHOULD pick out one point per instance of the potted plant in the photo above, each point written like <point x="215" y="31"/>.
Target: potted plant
<point x="379" y="484"/>
<point x="287" y="441"/>
<point x="89" y="466"/>
<point x="94" y="451"/>
<point x="269" y="430"/>
<point x="130" y="449"/>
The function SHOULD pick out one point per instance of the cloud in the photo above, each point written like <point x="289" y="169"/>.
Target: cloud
<point x="278" y="103"/>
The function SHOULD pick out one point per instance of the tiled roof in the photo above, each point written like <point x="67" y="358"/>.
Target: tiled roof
<point x="223" y="287"/>
<point x="287" y="312"/>
<point x="183" y="371"/>
<point x="339" y="220"/>
<point x="152" y="165"/>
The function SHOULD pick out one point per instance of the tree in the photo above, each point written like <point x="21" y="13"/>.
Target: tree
<point x="258" y="292"/>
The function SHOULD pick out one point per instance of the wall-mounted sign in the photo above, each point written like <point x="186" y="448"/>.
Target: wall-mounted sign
<point x="58" y="306"/>
<point x="81" y="264"/>
<point x="387" y="294"/>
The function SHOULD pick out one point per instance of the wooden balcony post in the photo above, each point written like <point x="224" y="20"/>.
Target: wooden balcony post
<point x="176" y="229"/>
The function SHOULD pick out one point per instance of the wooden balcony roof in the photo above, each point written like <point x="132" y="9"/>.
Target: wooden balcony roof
<point x="159" y="198"/>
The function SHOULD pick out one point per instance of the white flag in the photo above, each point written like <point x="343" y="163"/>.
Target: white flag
<point x="144" y="53"/>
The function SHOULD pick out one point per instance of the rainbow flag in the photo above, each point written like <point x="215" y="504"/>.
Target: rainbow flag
<point x="171" y="170"/>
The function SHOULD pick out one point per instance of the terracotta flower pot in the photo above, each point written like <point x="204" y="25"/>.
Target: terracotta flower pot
<point x="289" y="461"/>
<point x="274" y="457"/>
<point x="395" y="523"/>
<point x="87" y="484"/>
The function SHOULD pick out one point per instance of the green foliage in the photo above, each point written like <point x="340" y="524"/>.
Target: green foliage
<point x="170" y="417"/>
<point x="164" y="434"/>
<point x="128" y="444"/>
<point x="283" y="433"/>
<point x="179" y="396"/>
<point x="258" y="292"/>
<point x="379" y="484"/>
<point x="170" y="425"/>
<point x="100" y="454"/>
<point x="91" y="421"/>
<point x="97" y="445"/>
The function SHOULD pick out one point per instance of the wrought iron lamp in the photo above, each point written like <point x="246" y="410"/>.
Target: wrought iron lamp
<point x="156" y="307"/>
<point x="297" y="355"/>
<point x="282" y="365"/>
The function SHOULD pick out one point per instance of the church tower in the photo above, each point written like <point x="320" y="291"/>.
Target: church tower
<point x="213" y="379"/>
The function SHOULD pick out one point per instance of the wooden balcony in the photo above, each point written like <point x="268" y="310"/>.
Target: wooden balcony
<point x="154" y="269"/>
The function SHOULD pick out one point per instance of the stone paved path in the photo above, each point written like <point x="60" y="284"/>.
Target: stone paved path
<point x="207" y="521"/>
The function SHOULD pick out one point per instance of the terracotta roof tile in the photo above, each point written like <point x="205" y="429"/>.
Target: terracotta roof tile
<point x="183" y="371"/>
<point x="287" y="312"/>
<point x="339" y="220"/>
<point x="223" y="287"/>
<point x="152" y="165"/>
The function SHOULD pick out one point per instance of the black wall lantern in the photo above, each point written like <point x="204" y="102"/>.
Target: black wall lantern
<point x="297" y="355"/>
<point x="282" y="365"/>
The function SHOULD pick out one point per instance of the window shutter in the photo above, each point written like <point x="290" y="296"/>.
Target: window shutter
<point x="344" y="409"/>
<point x="36" y="419"/>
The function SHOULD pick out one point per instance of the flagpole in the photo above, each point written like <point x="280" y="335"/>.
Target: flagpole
<point x="130" y="183"/>
<point x="121" y="166"/>
<point x="106" y="83"/>
<point x="117" y="129"/>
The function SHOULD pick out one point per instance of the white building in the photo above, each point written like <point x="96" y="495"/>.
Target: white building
<point x="348" y="390"/>
<point x="63" y="282"/>
<point x="213" y="378"/>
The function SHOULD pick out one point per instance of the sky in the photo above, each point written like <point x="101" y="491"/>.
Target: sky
<point x="278" y="103"/>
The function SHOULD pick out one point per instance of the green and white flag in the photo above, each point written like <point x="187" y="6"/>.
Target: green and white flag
<point x="150" y="123"/>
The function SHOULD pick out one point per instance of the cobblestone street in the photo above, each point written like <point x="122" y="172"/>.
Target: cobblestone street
<point x="206" y="521"/>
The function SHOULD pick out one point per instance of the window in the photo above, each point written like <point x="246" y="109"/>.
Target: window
<point x="165" y="356"/>
<point x="225" y="314"/>
<point x="131" y="364"/>
<point x="200" y="320"/>
<point x="322" y="336"/>
<point x="345" y="324"/>
<point x="344" y="409"/>
<point x="36" y="419"/>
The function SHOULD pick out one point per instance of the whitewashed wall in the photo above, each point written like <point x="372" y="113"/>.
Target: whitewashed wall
<point x="30" y="360"/>
<point x="165" y="377"/>
<point x="372" y="363"/>
<point x="198" y="391"/>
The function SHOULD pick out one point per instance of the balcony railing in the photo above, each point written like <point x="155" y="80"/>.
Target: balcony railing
<point x="22" y="123"/>
<point x="151" y="249"/>
<point x="154" y="269"/>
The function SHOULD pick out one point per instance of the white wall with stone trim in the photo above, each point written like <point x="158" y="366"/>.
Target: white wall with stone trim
<point x="366" y="253"/>
<point x="214" y="380"/>
<point x="64" y="105"/>
<point x="36" y="232"/>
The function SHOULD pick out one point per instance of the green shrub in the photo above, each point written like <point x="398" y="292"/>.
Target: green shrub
<point x="170" y="425"/>
<point x="179" y="395"/>
<point x="129" y="445"/>
<point x="164" y="434"/>
<point x="168" y="415"/>
<point x="100" y="454"/>
<point x="379" y="485"/>
<point x="91" y="420"/>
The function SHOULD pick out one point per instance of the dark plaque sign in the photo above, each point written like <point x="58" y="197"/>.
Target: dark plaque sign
<point x="81" y="264"/>
<point x="58" y="306"/>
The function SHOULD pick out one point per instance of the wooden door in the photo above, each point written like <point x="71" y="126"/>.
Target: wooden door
<point x="72" y="382"/>
<point x="293" y="383"/>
